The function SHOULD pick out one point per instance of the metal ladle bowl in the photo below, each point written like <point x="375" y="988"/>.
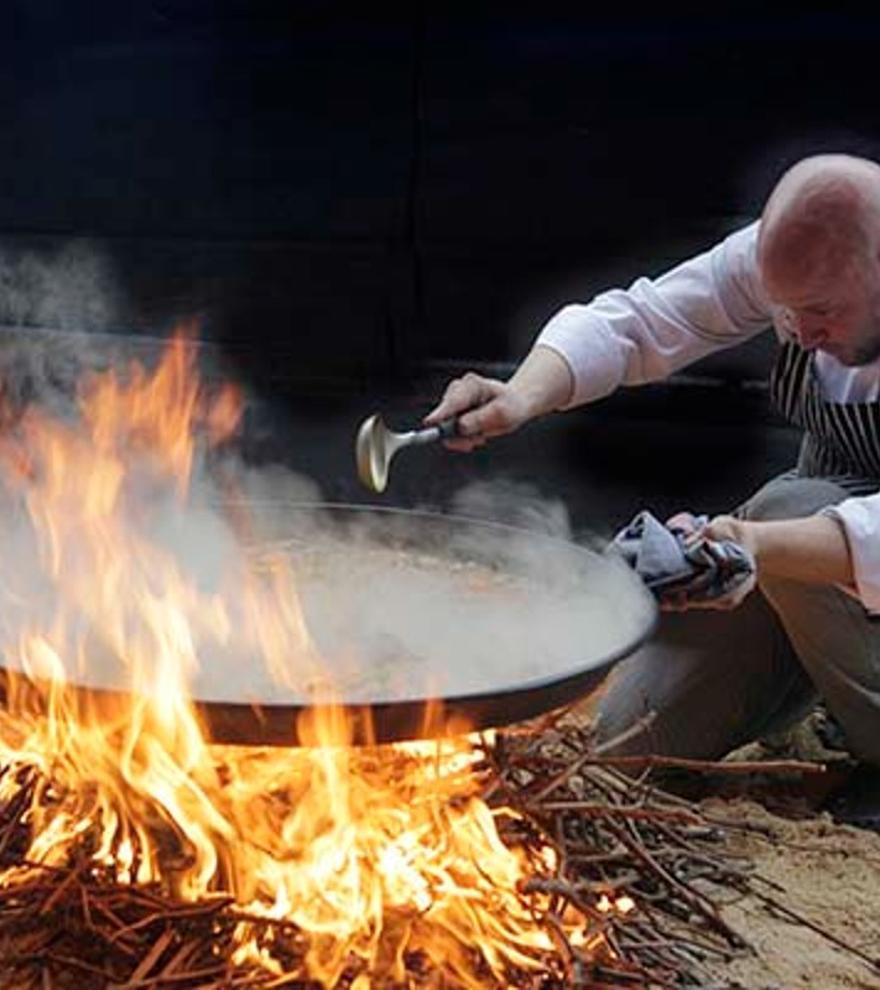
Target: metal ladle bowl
<point x="376" y="445"/>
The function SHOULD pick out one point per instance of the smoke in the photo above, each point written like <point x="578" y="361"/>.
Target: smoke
<point x="56" y="306"/>
<point x="73" y="287"/>
<point x="514" y="503"/>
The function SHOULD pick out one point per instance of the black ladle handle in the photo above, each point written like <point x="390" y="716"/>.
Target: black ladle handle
<point x="448" y="428"/>
<point x="442" y="431"/>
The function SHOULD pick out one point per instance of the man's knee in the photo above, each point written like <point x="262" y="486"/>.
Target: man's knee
<point x="792" y="498"/>
<point x="838" y="646"/>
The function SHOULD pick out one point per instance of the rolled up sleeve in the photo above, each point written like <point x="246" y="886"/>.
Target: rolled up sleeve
<point x="656" y="326"/>
<point x="860" y="518"/>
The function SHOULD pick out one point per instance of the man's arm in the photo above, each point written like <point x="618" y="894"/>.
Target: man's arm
<point x="814" y="550"/>
<point x="659" y="325"/>
<point x="622" y="337"/>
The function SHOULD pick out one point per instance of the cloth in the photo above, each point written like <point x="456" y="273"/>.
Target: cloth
<point x="717" y="300"/>
<point x="682" y="569"/>
<point x="718" y="679"/>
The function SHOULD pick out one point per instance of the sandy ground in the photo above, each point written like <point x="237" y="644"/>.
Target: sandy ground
<point x="824" y="872"/>
<point x="827" y="873"/>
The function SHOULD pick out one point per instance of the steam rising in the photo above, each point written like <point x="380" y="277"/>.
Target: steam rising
<point x="399" y="607"/>
<point x="514" y="503"/>
<point x="73" y="288"/>
<point x="436" y="607"/>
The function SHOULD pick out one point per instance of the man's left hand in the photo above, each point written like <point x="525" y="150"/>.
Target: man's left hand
<point x="720" y="529"/>
<point x="731" y="528"/>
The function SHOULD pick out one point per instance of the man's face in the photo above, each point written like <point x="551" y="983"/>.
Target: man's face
<point x="831" y="308"/>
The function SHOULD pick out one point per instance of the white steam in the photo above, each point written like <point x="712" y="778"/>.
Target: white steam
<point x="68" y="288"/>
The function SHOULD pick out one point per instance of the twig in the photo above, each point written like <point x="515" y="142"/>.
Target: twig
<point x="873" y="961"/>
<point x="705" y="766"/>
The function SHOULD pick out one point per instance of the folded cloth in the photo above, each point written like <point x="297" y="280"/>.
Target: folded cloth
<point x="683" y="569"/>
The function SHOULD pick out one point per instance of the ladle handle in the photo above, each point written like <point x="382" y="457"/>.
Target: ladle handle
<point x="442" y="431"/>
<point x="448" y="428"/>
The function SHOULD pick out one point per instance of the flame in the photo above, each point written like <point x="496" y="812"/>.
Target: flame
<point x="372" y="853"/>
<point x="620" y="905"/>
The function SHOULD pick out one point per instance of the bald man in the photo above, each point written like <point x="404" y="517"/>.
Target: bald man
<point x="810" y="267"/>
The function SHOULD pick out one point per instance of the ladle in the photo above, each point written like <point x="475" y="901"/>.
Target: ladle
<point x="376" y="445"/>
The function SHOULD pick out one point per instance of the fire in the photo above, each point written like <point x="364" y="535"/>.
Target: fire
<point x="373" y="854"/>
<point x="622" y="905"/>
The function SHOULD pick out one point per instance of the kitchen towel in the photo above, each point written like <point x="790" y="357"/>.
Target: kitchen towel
<point x="683" y="569"/>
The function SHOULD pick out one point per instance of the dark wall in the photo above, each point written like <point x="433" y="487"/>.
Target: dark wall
<point x="343" y="197"/>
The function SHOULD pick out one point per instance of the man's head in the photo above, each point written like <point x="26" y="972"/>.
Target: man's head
<point x="819" y="255"/>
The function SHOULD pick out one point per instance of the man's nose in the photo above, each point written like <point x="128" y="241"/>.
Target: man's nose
<point x="810" y="332"/>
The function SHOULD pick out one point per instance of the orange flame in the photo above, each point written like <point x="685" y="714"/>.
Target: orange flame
<point x="371" y="853"/>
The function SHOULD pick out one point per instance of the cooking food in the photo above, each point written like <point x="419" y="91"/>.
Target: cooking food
<point x="394" y="610"/>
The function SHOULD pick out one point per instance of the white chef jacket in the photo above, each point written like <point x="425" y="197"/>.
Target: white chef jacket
<point x="710" y="302"/>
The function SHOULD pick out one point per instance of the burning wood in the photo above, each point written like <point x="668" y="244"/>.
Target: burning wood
<point x="610" y="880"/>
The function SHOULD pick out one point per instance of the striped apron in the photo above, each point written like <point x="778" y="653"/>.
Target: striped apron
<point x="841" y="441"/>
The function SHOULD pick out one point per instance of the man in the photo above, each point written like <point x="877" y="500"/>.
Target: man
<point x="811" y="267"/>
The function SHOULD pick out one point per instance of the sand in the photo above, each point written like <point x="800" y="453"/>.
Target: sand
<point x="829" y="874"/>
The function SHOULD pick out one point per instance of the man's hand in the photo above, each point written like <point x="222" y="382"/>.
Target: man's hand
<point x="719" y="529"/>
<point x="489" y="408"/>
<point x="736" y="530"/>
<point x="723" y="528"/>
<point x="485" y="408"/>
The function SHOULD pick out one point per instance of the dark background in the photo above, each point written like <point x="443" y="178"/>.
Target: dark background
<point x="356" y="204"/>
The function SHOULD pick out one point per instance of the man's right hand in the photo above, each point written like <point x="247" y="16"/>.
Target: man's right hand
<point x="485" y="408"/>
